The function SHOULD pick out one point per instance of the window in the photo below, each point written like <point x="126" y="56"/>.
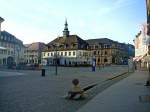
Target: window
<point x="105" y="60"/>
<point x="74" y="45"/>
<point x="67" y="45"/>
<point x="51" y="54"/>
<point x="80" y="53"/>
<point x="105" y="52"/>
<point x="74" y="53"/>
<point x="94" y="52"/>
<point x="98" y="60"/>
<point x="105" y="46"/>
<point x="108" y="46"/>
<point x="61" y="53"/>
<point x="69" y="53"/>
<point x="96" y="47"/>
<point x="58" y="53"/>
<point x="2" y="37"/>
<point x="47" y="54"/>
<point x="5" y="38"/>
<point x="43" y="54"/>
<point x="65" y="53"/>
<point x="8" y="52"/>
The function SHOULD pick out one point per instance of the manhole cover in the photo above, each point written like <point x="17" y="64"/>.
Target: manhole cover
<point x="144" y="98"/>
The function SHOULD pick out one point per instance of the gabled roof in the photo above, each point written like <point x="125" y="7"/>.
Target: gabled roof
<point x="100" y="40"/>
<point x="67" y="40"/>
<point x="5" y="33"/>
<point x="35" y="46"/>
<point x="11" y="38"/>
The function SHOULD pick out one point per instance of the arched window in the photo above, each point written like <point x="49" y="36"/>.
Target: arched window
<point x="94" y="52"/>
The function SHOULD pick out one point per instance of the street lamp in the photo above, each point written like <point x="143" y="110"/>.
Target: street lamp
<point x="56" y="60"/>
<point x="17" y="56"/>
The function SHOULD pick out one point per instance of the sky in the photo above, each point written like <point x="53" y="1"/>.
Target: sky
<point x="43" y="20"/>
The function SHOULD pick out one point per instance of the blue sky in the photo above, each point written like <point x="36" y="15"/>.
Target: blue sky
<point x="43" y="20"/>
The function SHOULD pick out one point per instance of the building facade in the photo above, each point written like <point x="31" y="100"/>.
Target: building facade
<point x="107" y="51"/>
<point x="67" y="50"/>
<point x="71" y="50"/>
<point x="33" y="52"/>
<point x="142" y="42"/>
<point x="11" y="49"/>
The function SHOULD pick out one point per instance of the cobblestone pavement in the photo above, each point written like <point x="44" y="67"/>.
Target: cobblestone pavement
<point x="32" y="93"/>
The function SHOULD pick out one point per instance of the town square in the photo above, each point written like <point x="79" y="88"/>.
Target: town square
<point x="75" y="56"/>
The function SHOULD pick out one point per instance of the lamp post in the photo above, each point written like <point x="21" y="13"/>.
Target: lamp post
<point x="56" y="58"/>
<point x="128" y="57"/>
<point x="101" y="54"/>
<point x="18" y="55"/>
<point x="56" y="62"/>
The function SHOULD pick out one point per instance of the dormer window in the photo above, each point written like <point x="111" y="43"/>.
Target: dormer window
<point x="74" y="45"/>
<point x="49" y="47"/>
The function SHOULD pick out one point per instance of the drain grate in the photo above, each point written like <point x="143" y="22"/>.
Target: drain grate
<point x="144" y="99"/>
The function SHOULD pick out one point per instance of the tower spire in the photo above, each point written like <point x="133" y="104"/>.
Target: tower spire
<point x="66" y="31"/>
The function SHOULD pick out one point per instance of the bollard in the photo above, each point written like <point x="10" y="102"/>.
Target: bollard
<point x="43" y="72"/>
<point x="93" y="69"/>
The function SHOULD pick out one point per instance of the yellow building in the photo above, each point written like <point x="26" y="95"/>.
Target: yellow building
<point x="107" y="51"/>
<point x="33" y="52"/>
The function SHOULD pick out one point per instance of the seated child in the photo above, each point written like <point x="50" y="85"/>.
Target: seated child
<point x="76" y="91"/>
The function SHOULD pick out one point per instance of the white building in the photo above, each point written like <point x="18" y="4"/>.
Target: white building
<point x="71" y="51"/>
<point x="67" y="57"/>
